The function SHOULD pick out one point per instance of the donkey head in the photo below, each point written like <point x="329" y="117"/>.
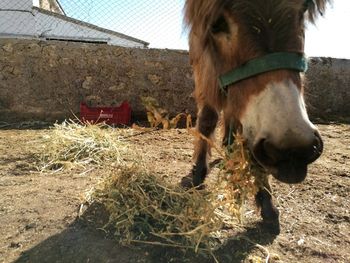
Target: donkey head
<point x="227" y="35"/>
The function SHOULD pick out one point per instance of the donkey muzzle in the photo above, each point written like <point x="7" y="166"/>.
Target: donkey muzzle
<point x="288" y="165"/>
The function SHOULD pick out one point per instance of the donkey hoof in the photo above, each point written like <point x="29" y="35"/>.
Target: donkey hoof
<point x="270" y="214"/>
<point x="186" y="182"/>
<point x="272" y="227"/>
<point x="270" y="218"/>
<point x="198" y="174"/>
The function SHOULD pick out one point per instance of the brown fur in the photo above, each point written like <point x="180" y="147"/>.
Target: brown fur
<point x="263" y="27"/>
<point x="225" y="34"/>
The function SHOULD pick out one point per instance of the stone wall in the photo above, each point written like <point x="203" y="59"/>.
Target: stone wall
<point x="46" y="81"/>
<point x="328" y="88"/>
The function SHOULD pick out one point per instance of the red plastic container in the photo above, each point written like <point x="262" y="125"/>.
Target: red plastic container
<point x="110" y="115"/>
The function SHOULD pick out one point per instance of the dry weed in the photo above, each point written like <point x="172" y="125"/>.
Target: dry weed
<point x="156" y="115"/>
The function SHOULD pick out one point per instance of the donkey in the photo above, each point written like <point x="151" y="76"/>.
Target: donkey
<point x="247" y="59"/>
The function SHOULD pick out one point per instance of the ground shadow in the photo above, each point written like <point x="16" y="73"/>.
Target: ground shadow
<point x="240" y="246"/>
<point x="25" y="125"/>
<point x="82" y="241"/>
<point x="79" y="244"/>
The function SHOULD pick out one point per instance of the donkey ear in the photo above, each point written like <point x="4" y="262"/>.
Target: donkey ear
<point x="220" y="25"/>
<point x="307" y="5"/>
<point x="315" y="8"/>
<point x="201" y="14"/>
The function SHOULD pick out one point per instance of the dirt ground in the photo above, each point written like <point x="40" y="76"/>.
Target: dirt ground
<point x="39" y="223"/>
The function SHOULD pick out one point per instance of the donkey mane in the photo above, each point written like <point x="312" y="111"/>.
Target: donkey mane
<point x="200" y="15"/>
<point x="202" y="12"/>
<point x="316" y="7"/>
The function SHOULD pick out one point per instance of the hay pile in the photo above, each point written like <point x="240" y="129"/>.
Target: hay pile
<point x="71" y="144"/>
<point x="142" y="207"/>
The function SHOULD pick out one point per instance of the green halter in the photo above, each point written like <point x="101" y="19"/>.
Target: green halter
<point x="269" y="62"/>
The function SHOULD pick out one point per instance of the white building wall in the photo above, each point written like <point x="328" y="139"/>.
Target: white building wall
<point x="15" y="23"/>
<point x="53" y="27"/>
<point x="16" y="4"/>
<point x="16" y="18"/>
<point x="19" y="19"/>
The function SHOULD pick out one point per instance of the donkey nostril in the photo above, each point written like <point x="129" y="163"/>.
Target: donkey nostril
<point x="317" y="148"/>
<point x="271" y="151"/>
<point x="266" y="153"/>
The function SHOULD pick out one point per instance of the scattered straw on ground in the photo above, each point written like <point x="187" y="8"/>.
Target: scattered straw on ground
<point x="144" y="208"/>
<point x="72" y="144"/>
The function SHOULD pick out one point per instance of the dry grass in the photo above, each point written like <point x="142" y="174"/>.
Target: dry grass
<point x="156" y="115"/>
<point x="142" y="207"/>
<point x="240" y="176"/>
<point x="72" y="144"/>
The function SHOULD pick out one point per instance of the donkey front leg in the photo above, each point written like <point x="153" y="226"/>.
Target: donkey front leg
<point x="268" y="211"/>
<point x="206" y="123"/>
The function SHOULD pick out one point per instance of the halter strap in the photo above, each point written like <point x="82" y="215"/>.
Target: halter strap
<point x="269" y="62"/>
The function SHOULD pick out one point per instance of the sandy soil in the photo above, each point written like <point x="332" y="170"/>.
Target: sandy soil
<point x="38" y="211"/>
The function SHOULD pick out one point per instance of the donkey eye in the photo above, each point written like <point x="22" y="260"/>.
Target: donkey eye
<point x="220" y="26"/>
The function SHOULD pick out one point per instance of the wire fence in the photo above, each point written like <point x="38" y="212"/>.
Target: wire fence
<point x="131" y="23"/>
